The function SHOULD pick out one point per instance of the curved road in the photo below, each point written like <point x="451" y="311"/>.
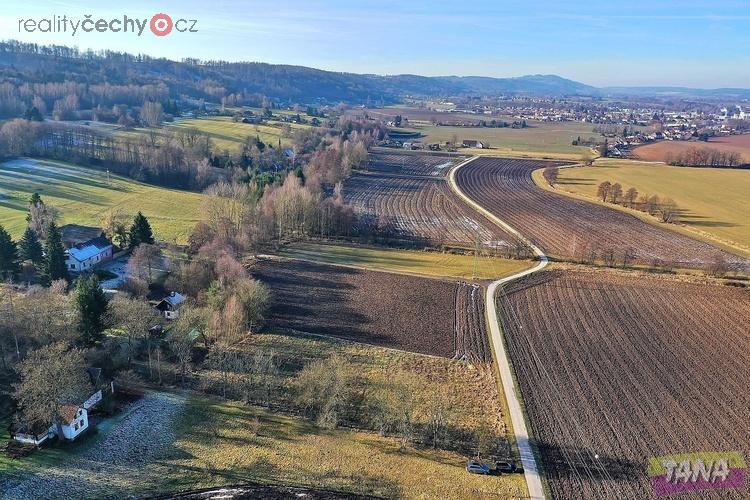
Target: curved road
<point x="531" y="471"/>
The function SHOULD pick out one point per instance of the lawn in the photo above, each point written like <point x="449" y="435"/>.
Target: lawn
<point x="85" y="195"/>
<point x="541" y="139"/>
<point x="714" y="202"/>
<point x="409" y="262"/>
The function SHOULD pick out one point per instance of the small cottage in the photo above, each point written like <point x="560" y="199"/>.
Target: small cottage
<point x="170" y="305"/>
<point x="86" y="255"/>
<point x="74" y="420"/>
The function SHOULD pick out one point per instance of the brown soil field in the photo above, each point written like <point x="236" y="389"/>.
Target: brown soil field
<point x="658" y="151"/>
<point x="418" y="163"/>
<point x="420" y="209"/>
<point x="627" y="367"/>
<point x="568" y="228"/>
<point x="428" y="316"/>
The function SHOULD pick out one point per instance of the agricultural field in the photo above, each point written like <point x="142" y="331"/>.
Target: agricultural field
<point x="225" y="133"/>
<point x="448" y="265"/>
<point x="419" y="210"/>
<point x="85" y="195"/>
<point x="654" y="366"/>
<point x="568" y="228"/>
<point x="388" y="161"/>
<point x="658" y="151"/>
<point x="382" y="309"/>
<point x="712" y="202"/>
<point x="540" y="139"/>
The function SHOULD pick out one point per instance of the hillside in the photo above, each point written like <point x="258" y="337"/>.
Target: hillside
<point x="45" y="64"/>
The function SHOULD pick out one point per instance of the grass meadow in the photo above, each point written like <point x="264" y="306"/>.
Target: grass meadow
<point x="713" y="201"/>
<point x="84" y="196"/>
<point x="406" y="261"/>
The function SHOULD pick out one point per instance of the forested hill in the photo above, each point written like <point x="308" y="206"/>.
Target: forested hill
<point x="32" y="63"/>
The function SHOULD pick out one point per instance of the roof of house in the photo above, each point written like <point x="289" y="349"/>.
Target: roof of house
<point x="73" y="234"/>
<point x="68" y="413"/>
<point x="173" y="300"/>
<point x="92" y="247"/>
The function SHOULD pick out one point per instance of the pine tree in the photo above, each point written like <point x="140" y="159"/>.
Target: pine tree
<point x="91" y="304"/>
<point x="8" y="253"/>
<point x="55" y="267"/>
<point x="29" y="248"/>
<point x="140" y="231"/>
<point x="34" y="201"/>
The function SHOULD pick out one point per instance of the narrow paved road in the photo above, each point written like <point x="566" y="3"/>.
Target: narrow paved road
<point x="531" y="471"/>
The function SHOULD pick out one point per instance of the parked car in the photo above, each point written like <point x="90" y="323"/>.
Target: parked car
<point x="475" y="467"/>
<point x="507" y="468"/>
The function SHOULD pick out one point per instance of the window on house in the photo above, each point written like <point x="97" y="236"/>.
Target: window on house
<point x="75" y="427"/>
<point x="81" y="423"/>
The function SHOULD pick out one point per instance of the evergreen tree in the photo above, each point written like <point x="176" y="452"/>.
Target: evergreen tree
<point x="55" y="267"/>
<point x="140" y="231"/>
<point x="29" y="248"/>
<point x="33" y="114"/>
<point x="91" y="304"/>
<point x="8" y="253"/>
<point x="34" y="201"/>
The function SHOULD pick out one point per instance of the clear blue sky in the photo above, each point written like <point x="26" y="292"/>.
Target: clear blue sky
<point x="655" y="42"/>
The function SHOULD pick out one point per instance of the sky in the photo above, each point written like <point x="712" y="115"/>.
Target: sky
<point x="657" y="42"/>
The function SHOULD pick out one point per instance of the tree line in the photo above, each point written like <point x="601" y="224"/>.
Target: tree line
<point x="704" y="157"/>
<point x="666" y="210"/>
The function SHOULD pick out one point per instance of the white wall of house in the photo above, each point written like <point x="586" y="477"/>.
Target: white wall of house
<point x="77" y="426"/>
<point x="78" y="266"/>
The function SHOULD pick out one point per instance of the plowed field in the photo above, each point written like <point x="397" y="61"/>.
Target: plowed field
<point x="569" y="228"/>
<point x="627" y="367"/>
<point x="429" y="316"/>
<point x="419" y="209"/>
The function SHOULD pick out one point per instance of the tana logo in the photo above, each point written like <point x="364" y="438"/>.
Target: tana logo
<point x="672" y="474"/>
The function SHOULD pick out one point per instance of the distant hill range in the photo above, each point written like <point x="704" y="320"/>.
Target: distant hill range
<point x="22" y="62"/>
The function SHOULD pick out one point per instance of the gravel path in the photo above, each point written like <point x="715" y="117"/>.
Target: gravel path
<point x="112" y="465"/>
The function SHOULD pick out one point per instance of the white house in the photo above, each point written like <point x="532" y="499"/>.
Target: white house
<point x="88" y="254"/>
<point x="170" y="305"/>
<point x="74" y="420"/>
<point x="471" y="143"/>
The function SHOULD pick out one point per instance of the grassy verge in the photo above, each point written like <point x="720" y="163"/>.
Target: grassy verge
<point x="713" y="201"/>
<point x="407" y="262"/>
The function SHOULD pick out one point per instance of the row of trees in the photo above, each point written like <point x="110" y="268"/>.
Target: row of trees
<point x="666" y="210"/>
<point x="704" y="157"/>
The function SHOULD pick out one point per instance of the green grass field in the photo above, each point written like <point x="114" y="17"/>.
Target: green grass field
<point x="225" y="133"/>
<point x="714" y="202"/>
<point x="409" y="262"/>
<point x="84" y="196"/>
<point x="539" y="140"/>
